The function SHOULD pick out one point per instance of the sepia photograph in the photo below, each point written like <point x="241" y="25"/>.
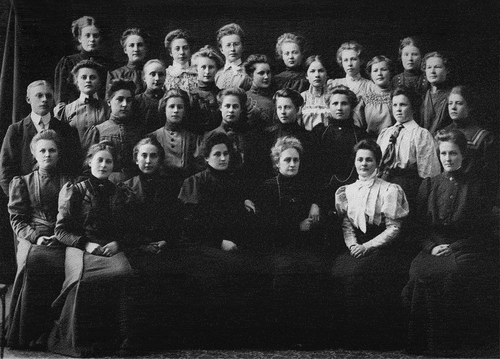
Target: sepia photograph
<point x="266" y="179"/>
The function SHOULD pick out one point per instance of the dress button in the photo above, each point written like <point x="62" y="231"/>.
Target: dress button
<point x="451" y="197"/>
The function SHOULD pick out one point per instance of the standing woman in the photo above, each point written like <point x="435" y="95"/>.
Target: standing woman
<point x="434" y="111"/>
<point x="91" y="224"/>
<point x="258" y="69"/>
<point x="40" y="257"/>
<point x="87" y="35"/>
<point x="374" y="112"/>
<point x="409" y="152"/>
<point x="315" y="109"/>
<point x="290" y="49"/>
<point x="410" y="55"/>
<point x="205" y="109"/>
<point x="349" y="56"/>
<point x="452" y="294"/>
<point x="180" y="75"/>
<point x="180" y="145"/>
<point x="134" y="43"/>
<point x="371" y="271"/>
<point x="334" y="144"/>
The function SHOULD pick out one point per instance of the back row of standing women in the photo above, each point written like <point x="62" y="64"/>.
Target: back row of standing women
<point x="209" y="142"/>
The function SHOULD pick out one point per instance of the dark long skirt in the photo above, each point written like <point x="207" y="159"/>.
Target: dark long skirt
<point x="452" y="301"/>
<point x="369" y="289"/>
<point x="38" y="282"/>
<point x="91" y="304"/>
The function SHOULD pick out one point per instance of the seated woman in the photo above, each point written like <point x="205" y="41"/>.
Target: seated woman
<point x="155" y="219"/>
<point x="452" y="294"/>
<point x="371" y="272"/>
<point x="40" y="258"/>
<point x="91" y="224"/>
<point x="291" y="236"/>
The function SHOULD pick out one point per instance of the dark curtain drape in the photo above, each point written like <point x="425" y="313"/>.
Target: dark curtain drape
<point x="9" y="109"/>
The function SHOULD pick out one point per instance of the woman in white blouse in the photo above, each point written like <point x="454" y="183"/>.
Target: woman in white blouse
<point x="370" y="274"/>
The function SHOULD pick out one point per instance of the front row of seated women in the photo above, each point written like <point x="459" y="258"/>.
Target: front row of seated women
<point x="119" y="254"/>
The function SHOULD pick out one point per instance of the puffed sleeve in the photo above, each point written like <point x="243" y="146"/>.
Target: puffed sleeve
<point x="358" y="115"/>
<point x="62" y="78"/>
<point x="341" y="206"/>
<point x="341" y="201"/>
<point x="190" y="191"/>
<point x="19" y="210"/>
<point x="427" y="160"/>
<point x="10" y="158"/>
<point x="394" y="209"/>
<point x="69" y="230"/>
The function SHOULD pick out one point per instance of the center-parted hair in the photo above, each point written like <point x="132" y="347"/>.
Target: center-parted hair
<point x="208" y="52"/>
<point x="370" y="145"/>
<point x="230" y="29"/>
<point x="149" y="140"/>
<point x="134" y="31"/>
<point x="101" y="146"/>
<point x="49" y="135"/>
<point x="376" y="60"/>
<point x="284" y="143"/>
<point x="178" y="34"/>
<point x="350" y="45"/>
<point x="175" y="93"/>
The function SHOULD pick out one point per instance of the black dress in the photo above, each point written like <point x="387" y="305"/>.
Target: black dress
<point x="297" y="260"/>
<point x="40" y="269"/>
<point x="91" y="306"/>
<point x="453" y="300"/>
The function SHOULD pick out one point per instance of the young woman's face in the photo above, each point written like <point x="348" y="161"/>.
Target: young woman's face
<point x="365" y="163"/>
<point x="154" y="76"/>
<point x="46" y="154"/>
<point x="457" y="106"/>
<point x="121" y="104"/>
<point x="230" y="109"/>
<point x="231" y="47"/>
<point x="435" y="70"/>
<point x="289" y="162"/>
<point x="316" y="74"/>
<point x="401" y="109"/>
<point x="262" y="75"/>
<point x="219" y="157"/>
<point x="87" y="81"/>
<point x="411" y="57"/>
<point x="180" y="51"/>
<point x="101" y="164"/>
<point x="292" y="54"/>
<point x="450" y="156"/>
<point x="90" y="38"/>
<point x="286" y="110"/>
<point x="148" y="159"/>
<point x="351" y="62"/>
<point x="380" y="74"/>
<point x="207" y="68"/>
<point x="135" y="48"/>
<point x="340" y="107"/>
<point x="174" y="110"/>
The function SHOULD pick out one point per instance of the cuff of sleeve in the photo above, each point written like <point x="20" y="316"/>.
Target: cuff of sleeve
<point x="34" y="236"/>
<point x="428" y="247"/>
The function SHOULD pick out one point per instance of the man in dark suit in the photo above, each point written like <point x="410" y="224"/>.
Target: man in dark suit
<point x="15" y="156"/>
